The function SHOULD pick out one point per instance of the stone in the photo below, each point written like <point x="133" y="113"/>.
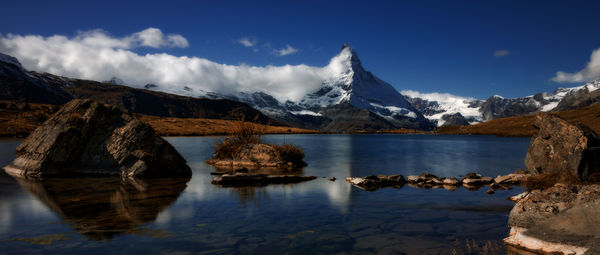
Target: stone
<point x="511" y="179"/>
<point x="245" y="179"/>
<point x="332" y="179"/>
<point x="472" y="176"/>
<point x="373" y="182"/>
<point x="256" y="155"/>
<point x="559" y="147"/>
<point x="88" y="138"/>
<point x="476" y="181"/>
<point x="451" y="181"/>
<point x="413" y="179"/>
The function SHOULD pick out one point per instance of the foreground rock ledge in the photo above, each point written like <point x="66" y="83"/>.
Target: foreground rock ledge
<point x="244" y="179"/>
<point x="564" y="219"/>
<point x="88" y="138"/>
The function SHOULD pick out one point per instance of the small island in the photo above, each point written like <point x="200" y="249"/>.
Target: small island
<point x="245" y="148"/>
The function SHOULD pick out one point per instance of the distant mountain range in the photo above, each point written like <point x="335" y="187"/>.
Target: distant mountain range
<point x="18" y="84"/>
<point x="446" y="109"/>
<point x="352" y="99"/>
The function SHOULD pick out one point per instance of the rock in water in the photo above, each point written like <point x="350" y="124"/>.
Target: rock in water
<point x="559" y="146"/>
<point x="85" y="137"/>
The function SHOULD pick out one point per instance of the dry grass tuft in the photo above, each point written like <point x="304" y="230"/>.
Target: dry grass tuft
<point x="290" y="153"/>
<point x="243" y="132"/>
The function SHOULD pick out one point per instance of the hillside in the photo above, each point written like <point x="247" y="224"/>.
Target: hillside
<point x="521" y="125"/>
<point x="19" y="119"/>
<point x="20" y="85"/>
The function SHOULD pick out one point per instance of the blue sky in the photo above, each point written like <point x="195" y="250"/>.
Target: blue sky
<point x="427" y="46"/>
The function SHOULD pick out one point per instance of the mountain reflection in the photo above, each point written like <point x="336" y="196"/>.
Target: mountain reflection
<point x="100" y="208"/>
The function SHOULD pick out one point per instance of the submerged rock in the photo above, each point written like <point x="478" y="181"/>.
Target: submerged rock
<point x="245" y="179"/>
<point x="85" y="137"/>
<point x="559" y="146"/>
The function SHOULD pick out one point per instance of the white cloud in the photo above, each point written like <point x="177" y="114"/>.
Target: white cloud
<point x="247" y="42"/>
<point x="96" y="55"/>
<point x="589" y="73"/>
<point x="153" y="37"/>
<point x="286" y="51"/>
<point x="501" y="53"/>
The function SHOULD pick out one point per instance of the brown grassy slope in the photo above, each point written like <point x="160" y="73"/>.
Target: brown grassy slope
<point x="20" y="119"/>
<point x="522" y="126"/>
<point x="168" y="126"/>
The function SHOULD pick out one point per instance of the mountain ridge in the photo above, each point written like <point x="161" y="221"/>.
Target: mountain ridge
<point x="349" y="99"/>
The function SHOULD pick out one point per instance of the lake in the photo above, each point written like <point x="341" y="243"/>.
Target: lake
<point x="181" y="216"/>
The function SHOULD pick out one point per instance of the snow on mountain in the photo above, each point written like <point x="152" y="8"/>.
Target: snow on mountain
<point x="438" y="106"/>
<point x="343" y="81"/>
<point x="352" y="83"/>
<point x="435" y="105"/>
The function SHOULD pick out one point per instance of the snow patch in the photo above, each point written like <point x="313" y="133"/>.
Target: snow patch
<point x="306" y="112"/>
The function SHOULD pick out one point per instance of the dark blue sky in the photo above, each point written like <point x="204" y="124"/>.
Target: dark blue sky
<point x="428" y="46"/>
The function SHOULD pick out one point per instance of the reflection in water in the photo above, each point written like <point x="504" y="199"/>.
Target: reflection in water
<point x="250" y="194"/>
<point x="313" y="217"/>
<point x="101" y="208"/>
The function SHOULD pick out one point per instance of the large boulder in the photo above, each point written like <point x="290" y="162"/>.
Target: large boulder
<point x="86" y="137"/>
<point x="559" y="146"/>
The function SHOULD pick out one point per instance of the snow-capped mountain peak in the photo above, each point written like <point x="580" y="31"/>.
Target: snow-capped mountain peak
<point x="350" y="82"/>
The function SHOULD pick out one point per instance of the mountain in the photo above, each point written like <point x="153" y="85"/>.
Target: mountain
<point x="18" y="84"/>
<point x="347" y="98"/>
<point x="351" y="99"/>
<point x="439" y="108"/>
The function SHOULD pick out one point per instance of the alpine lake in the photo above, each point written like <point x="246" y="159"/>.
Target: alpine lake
<point x="193" y="216"/>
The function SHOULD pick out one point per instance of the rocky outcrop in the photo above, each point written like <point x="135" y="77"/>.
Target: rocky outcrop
<point x="455" y="119"/>
<point x="245" y="179"/>
<point x="257" y="155"/>
<point x="85" y="137"/>
<point x="563" y="219"/>
<point x="559" y="147"/>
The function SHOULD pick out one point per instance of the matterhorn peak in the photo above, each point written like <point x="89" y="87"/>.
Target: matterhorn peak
<point x="349" y="56"/>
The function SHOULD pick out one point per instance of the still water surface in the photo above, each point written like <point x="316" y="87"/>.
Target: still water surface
<point x="106" y="215"/>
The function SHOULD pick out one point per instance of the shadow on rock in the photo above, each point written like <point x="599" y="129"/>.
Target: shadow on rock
<point x="101" y="208"/>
